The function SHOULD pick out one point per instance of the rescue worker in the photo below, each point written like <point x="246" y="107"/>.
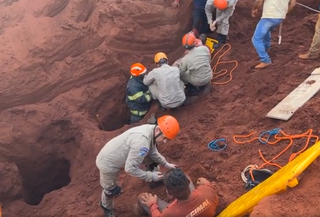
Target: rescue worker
<point x="165" y="84"/>
<point x="200" y="202"/>
<point x="313" y="52"/>
<point x="135" y="146"/>
<point x="138" y="95"/>
<point x="224" y="10"/>
<point x="195" y="68"/>
<point x="198" y="15"/>
<point x="273" y="13"/>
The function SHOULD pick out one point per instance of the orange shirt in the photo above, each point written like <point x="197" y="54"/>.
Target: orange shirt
<point x="202" y="202"/>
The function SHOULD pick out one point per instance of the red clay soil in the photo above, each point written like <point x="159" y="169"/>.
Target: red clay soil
<point x="64" y="65"/>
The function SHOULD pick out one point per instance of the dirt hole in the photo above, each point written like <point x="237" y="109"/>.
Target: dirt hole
<point x="40" y="178"/>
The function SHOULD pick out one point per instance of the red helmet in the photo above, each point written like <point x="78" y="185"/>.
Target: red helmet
<point x="189" y="40"/>
<point x="169" y="126"/>
<point x="137" y="69"/>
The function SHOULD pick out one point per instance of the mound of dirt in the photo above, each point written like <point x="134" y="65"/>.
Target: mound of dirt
<point x="64" y="70"/>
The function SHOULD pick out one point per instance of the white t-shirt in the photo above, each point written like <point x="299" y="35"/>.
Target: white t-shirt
<point x="277" y="9"/>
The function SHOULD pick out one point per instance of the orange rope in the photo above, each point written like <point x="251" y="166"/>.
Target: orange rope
<point x="222" y="72"/>
<point x="278" y="138"/>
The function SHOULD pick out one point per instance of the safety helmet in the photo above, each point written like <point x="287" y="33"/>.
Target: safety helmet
<point x="188" y="40"/>
<point x="159" y="57"/>
<point x="137" y="69"/>
<point x="169" y="126"/>
<point x="220" y="4"/>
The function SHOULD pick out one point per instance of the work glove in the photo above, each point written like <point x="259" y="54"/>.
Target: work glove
<point x="170" y="166"/>
<point x="213" y="25"/>
<point x="156" y="176"/>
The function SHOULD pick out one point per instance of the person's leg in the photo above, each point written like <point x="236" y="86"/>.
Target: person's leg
<point x="196" y="16"/>
<point x="205" y="28"/>
<point x="135" y="118"/>
<point x="108" y="182"/>
<point x="260" y="38"/>
<point x="315" y="45"/>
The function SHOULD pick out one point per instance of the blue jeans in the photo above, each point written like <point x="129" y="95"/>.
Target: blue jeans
<point x="261" y="38"/>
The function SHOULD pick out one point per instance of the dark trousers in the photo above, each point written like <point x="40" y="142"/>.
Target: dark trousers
<point x="200" y="21"/>
<point x="135" y="118"/>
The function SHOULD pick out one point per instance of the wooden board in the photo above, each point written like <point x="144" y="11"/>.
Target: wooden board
<point x="297" y="98"/>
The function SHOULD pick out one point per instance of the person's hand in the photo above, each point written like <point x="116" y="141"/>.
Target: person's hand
<point x="213" y="25"/>
<point x="254" y="13"/>
<point x="175" y="4"/>
<point x="149" y="199"/>
<point x="202" y="181"/>
<point x="156" y="176"/>
<point x="170" y="166"/>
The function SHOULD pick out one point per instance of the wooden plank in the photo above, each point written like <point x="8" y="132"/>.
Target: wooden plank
<point x="297" y="98"/>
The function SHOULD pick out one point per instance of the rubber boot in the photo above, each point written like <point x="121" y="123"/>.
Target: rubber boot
<point x="192" y="90"/>
<point x="222" y="39"/>
<point x="107" y="212"/>
<point x="206" y="89"/>
<point x="154" y="167"/>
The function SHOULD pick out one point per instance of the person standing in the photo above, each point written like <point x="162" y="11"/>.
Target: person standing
<point x="198" y="15"/>
<point x="225" y="9"/>
<point x="273" y="13"/>
<point x="313" y="52"/>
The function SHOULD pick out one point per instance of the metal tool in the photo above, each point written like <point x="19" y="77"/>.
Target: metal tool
<point x="280" y="34"/>
<point x="305" y="6"/>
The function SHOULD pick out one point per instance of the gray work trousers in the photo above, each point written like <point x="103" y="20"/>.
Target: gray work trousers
<point x="315" y="45"/>
<point x="108" y="181"/>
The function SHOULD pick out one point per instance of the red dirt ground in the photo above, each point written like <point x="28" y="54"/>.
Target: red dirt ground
<point x="63" y="62"/>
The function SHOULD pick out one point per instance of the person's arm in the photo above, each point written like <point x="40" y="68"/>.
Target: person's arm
<point x="209" y="9"/>
<point x="134" y="94"/>
<point x="257" y="4"/>
<point x="183" y="67"/>
<point x="154" y="210"/>
<point x="156" y="157"/>
<point x="225" y="14"/>
<point x="149" y="78"/>
<point x="292" y="3"/>
<point x="138" y="150"/>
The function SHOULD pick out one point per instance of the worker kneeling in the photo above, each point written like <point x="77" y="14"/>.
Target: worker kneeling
<point x="130" y="149"/>
<point x="165" y="84"/>
<point x="200" y="202"/>
<point x="195" y="68"/>
<point x="138" y="95"/>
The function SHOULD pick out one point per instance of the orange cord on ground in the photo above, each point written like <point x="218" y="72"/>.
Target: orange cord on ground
<point x="278" y="138"/>
<point x="222" y="72"/>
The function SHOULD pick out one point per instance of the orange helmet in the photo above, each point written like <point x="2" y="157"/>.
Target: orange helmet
<point x="188" y="40"/>
<point x="220" y="4"/>
<point x="160" y="56"/>
<point x="137" y="69"/>
<point x="169" y="126"/>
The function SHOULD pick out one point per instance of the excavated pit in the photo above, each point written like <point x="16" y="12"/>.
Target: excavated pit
<point x="42" y="177"/>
